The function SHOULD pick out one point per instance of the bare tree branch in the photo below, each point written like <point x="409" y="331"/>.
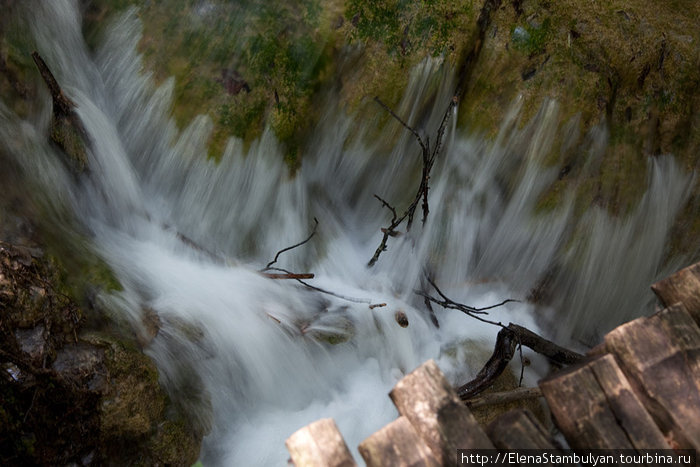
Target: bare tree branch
<point x="405" y="125"/>
<point x="428" y="161"/>
<point x="508" y="339"/>
<point x="283" y="250"/>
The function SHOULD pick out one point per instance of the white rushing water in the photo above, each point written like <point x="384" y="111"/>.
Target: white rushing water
<point x="255" y="345"/>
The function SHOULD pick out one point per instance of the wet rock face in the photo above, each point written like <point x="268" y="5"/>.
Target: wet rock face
<point x="75" y="397"/>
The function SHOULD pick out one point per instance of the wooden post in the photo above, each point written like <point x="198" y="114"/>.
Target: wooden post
<point x="432" y="406"/>
<point x="659" y="369"/>
<point x="596" y="408"/>
<point x="397" y="445"/>
<point x="319" y="444"/>
<point x="684" y="287"/>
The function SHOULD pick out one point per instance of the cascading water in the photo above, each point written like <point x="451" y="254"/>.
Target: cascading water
<point x="260" y="350"/>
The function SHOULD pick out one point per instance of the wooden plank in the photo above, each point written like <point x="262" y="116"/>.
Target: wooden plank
<point x="660" y="374"/>
<point x="629" y="412"/>
<point x="684" y="332"/>
<point x="519" y="429"/>
<point x="684" y="287"/>
<point x="432" y="406"/>
<point x="397" y="444"/>
<point x="319" y="444"/>
<point x="581" y="411"/>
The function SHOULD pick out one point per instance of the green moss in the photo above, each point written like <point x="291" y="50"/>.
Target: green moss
<point x="532" y="39"/>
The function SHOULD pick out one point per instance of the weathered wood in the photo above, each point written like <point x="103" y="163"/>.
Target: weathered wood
<point x="596" y="408"/>
<point x="287" y="275"/>
<point x="319" y="444"/>
<point x="684" y="332"/>
<point x="684" y="287"/>
<point x="542" y="346"/>
<point x="421" y="395"/>
<point x="504" y="397"/>
<point x="397" y="444"/>
<point x="659" y="371"/>
<point x="626" y="406"/>
<point x="519" y="429"/>
<point x="507" y="340"/>
<point x="503" y="351"/>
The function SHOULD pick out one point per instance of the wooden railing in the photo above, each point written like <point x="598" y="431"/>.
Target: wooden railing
<point x="639" y="389"/>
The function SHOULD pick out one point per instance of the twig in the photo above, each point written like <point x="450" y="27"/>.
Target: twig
<point x="389" y="207"/>
<point x="313" y="232"/>
<point x="508" y="338"/>
<point x="405" y="125"/>
<point x="287" y="275"/>
<point x="328" y="292"/>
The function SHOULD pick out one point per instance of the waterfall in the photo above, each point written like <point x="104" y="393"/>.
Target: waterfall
<point x="258" y="349"/>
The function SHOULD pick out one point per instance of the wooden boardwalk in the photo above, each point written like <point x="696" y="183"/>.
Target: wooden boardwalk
<point x="639" y="389"/>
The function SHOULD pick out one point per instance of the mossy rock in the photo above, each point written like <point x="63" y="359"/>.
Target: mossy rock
<point x="72" y="395"/>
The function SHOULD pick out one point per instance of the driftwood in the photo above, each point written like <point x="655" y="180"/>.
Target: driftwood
<point x="663" y="370"/>
<point x="319" y="444"/>
<point x="595" y="407"/>
<point x="430" y="403"/>
<point x="67" y="130"/>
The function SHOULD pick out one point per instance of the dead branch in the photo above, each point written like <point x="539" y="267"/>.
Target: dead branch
<point x="468" y="310"/>
<point x="504" y="397"/>
<point x="283" y="250"/>
<point x="281" y="273"/>
<point x="61" y="104"/>
<point x="508" y="338"/>
<point x="290" y="275"/>
<point x="542" y="346"/>
<point x="428" y="157"/>
<point x="428" y="154"/>
<point x="503" y="352"/>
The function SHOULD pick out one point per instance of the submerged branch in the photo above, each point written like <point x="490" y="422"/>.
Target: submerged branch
<point x="508" y="338"/>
